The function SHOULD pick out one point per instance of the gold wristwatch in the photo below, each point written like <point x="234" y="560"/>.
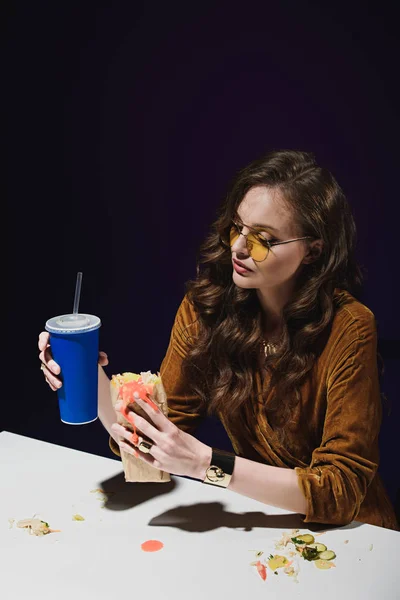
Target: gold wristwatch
<point x="221" y="468"/>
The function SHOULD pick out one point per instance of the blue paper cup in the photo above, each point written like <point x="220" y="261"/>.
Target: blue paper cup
<point x="74" y="341"/>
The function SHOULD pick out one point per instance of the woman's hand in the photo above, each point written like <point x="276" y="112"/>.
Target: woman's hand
<point x="48" y="365"/>
<point x="173" y="450"/>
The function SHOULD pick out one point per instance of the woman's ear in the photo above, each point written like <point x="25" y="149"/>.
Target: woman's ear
<point x="314" y="252"/>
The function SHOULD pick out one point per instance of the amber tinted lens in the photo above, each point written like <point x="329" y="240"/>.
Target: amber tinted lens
<point x="256" y="248"/>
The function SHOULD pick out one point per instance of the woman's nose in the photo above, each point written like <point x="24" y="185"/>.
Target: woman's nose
<point x="240" y="246"/>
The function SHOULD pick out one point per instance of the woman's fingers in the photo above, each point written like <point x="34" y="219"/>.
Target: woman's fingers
<point x="52" y="386"/>
<point x="142" y="425"/>
<point x="158" y="417"/>
<point x="131" y="446"/>
<point x="49" y="367"/>
<point x="46" y="358"/>
<point x="44" y="337"/>
<point x="45" y="353"/>
<point x="147" y="458"/>
<point x="103" y="359"/>
<point x="51" y="379"/>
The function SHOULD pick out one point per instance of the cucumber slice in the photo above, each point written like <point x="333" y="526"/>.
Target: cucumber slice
<point x="318" y="547"/>
<point x="327" y="555"/>
<point x="307" y="538"/>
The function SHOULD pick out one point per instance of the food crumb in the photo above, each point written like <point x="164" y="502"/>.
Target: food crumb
<point x="78" y="517"/>
<point x="11" y="522"/>
<point x="346" y="542"/>
<point x="36" y="526"/>
<point x="370" y="547"/>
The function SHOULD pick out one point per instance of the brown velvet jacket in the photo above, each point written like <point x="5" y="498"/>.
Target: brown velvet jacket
<point x="333" y="436"/>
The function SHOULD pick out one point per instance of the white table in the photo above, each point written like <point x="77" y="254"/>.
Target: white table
<point x="207" y="550"/>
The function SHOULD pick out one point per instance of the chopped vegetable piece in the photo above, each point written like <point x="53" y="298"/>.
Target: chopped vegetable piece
<point x="311" y="553"/>
<point x="277" y="561"/>
<point x="297" y="541"/>
<point x="319" y="547"/>
<point x="324" y="564"/>
<point x="292" y="571"/>
<point x="327" y="555"/>
<point x="307" y="538"/>
<point x="261" y="569"/>
<point x="36" y="526"/>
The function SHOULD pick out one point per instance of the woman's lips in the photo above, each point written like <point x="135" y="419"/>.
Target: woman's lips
<point x="239" y="269"/>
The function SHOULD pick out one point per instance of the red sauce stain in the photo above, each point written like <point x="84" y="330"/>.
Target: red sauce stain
<point x="152" y="546"/>
<point x="126" y="394"/>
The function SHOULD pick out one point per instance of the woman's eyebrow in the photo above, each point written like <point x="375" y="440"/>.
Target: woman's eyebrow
<point x="265" y="226"/>
<point x="260" y="225"/>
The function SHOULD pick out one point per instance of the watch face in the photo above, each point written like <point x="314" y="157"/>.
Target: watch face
<point x="215" y="474"/>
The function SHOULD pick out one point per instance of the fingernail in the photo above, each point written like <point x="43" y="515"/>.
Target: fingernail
<point x="54" y="367"/>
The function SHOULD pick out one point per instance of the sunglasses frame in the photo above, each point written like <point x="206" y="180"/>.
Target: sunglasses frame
<point x="263" y="241"/>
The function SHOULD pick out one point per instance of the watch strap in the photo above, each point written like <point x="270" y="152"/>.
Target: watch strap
<point x="220" y="471"/>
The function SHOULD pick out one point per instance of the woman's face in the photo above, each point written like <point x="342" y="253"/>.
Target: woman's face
<point x="284" y="262"/>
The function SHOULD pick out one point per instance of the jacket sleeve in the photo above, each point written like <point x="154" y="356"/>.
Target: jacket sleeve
<point x="343" y="466"/>
<point x="184" y="407"/>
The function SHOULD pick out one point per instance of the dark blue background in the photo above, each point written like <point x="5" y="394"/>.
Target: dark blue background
<point x="126" y="123"/>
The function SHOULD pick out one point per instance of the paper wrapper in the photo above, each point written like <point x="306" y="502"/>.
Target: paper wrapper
<point x="134" y="468"/>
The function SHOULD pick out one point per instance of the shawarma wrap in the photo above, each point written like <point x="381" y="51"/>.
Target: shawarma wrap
<point x="149" y="387"/>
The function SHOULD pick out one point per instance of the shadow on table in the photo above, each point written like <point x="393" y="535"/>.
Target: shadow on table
<point x="206" y="516"/>
<point x="122" y="495"/>
<point x="212" y="515"/>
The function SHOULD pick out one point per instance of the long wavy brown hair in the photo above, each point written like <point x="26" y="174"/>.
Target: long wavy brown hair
<point x="221" y="365"/>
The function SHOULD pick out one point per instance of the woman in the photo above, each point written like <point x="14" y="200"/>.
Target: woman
<point x="270" y="337"/>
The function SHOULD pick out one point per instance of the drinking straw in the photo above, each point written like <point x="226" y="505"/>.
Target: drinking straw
<point x="77" y="293"/>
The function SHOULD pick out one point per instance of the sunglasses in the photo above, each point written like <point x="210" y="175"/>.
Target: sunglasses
<point x="257" y="246"/>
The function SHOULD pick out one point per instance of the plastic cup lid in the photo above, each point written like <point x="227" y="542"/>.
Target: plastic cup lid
<point x="79" y="323"/>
